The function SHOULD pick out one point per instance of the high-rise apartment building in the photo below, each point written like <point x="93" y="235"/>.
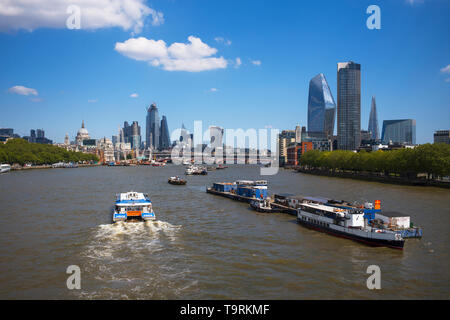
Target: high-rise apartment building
<point x="321" y="108"/>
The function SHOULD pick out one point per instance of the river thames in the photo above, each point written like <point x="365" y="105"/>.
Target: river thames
<point x="203" y="246"/>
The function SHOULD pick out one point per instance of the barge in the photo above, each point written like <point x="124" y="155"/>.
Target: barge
<point x="241" y="190"/>
<point x="347" y="223"/>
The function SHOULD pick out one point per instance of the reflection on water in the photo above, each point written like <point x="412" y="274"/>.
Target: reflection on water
<point x="203" y="246"/>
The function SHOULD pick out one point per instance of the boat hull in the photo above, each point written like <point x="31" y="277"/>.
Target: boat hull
<point x="395" y="244"/>
<point x="177" y="183"/>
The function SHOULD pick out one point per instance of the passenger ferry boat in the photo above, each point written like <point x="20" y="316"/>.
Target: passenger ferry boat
<point x="5" y="168"/>
<point x="133" y="206"/>
<point x="346" y="223"/>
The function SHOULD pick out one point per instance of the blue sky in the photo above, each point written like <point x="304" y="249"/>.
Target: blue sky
<point x="79" y="74"/>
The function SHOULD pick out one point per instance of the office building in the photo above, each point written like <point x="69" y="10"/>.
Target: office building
<point x="442" y="136"/>
<point x="349" y="105"/>
<point x="401" y="131"/>
<point x="132" y="134"/>
<point x="321" y="108"/>
<point x="152" y="127"/>
<point x="216" y="136"/>
<point x="285" y="138"/>
<point x="164" y="142"/>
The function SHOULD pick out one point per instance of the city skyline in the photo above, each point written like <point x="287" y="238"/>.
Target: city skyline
<point x="107" y="85"/>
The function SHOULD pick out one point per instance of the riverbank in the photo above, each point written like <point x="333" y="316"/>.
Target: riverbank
<point x="376" y="178"/>
<point x="49" y="166"/>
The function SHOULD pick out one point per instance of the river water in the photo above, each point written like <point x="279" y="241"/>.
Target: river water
<point x="203" y="246"/>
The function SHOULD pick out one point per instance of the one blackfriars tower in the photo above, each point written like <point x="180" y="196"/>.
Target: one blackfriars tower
<point x="349" y="105"/>
<point x="321" y="108"/>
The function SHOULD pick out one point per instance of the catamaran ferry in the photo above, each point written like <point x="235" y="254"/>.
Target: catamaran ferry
<point x="133" y="206"/>
<point x="346" y="223"/>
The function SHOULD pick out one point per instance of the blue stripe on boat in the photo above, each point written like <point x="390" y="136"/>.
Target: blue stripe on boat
<point x="133" y="201"/>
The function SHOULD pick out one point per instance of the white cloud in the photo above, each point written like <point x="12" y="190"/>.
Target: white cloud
<point x="92" y="100"/>
<point x="213" y="89"/>
<point x="223" y="40"/>
<point x="194" y="56"/>
<point x="238" y="62"/>
<point x="134" y="95"/>
<point x="256" y="62"/>
<point x="30" y="15"/>
<point x="446" y="69"/>
<point x="24" y="91"/>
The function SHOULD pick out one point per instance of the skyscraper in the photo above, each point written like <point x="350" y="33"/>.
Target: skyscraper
<point x="373" y="121"/>
<point x="152" y="127"/>
<point x="399" y="131"/>
<point x="349" y="105"/>
<point x="132" y="134"/>
<point x="216" y="136"/>
<point x="321" y="108"/>
<point x="40" y="133"/>
<point x="164" y="142"/>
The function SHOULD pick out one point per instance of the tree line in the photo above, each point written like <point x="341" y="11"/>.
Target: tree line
<point x="431" y="159"/>
<point x="21" y="151"/>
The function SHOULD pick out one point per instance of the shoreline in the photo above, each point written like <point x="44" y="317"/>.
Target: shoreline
<point x="49" y="166"/>
<point x="373" y="178"/>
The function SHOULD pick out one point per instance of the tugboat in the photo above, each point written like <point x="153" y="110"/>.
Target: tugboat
<point x="261" y="205"/>
<point x="132" y="206"/>
<point x="347" y="223"/>
<point x="177" y="181"/>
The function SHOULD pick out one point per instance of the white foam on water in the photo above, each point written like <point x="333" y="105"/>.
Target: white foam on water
<point x="124" y="252"/>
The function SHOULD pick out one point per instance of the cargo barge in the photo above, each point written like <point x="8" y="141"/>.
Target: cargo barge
<point x="241" y="190"/>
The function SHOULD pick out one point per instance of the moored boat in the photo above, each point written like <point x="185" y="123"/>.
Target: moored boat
<point x="133" y="206"/>
<point x="5" y="167"/>
<point x="346" y="223"/>
<point x="261" y="205"/>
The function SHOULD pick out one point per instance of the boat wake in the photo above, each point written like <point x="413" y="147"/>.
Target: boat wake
<point x="135" y="260"/>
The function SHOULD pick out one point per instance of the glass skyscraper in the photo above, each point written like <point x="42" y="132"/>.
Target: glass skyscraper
<point x="348" y="105"/>
<point x="399" y="131"/>
<point x="152" y="127"/>
<point x="373" y="121"/>
<point x="132" y="134"/>
<point x="321" y="108"/>
<point x="165" y="136"/>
